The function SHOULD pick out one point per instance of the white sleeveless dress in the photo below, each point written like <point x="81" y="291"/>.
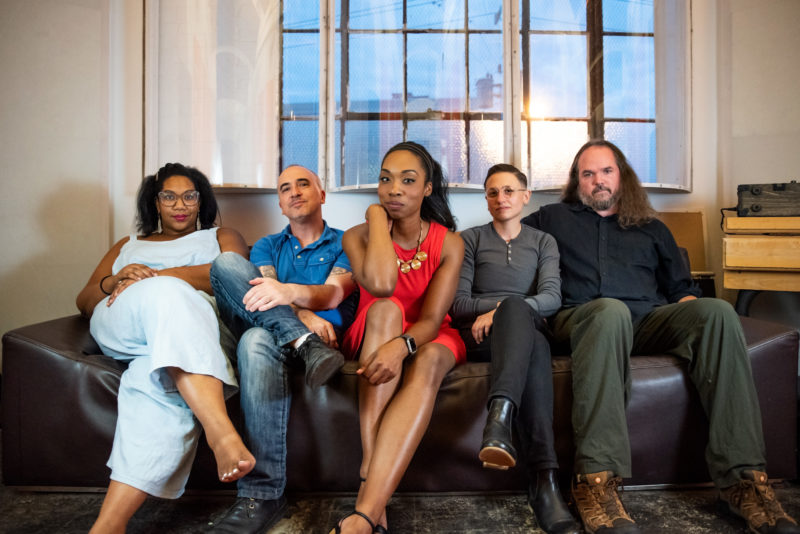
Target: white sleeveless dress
<point x="156" y="323"/>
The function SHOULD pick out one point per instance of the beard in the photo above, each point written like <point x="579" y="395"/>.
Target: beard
<point x="599" y="204"/>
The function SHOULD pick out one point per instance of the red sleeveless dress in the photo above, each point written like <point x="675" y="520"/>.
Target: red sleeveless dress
<point x="409" y="294"/>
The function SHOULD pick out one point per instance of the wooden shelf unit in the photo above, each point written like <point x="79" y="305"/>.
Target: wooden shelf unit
<point x="761" y="253"/>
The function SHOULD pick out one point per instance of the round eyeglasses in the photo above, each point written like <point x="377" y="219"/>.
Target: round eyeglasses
<point x="505" y="191"/>
<point x="170" y="198"/>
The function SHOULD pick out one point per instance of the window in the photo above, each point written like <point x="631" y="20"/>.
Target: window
<point x="613" y="97"/>
<point x="211" y="88"/>
<point x="424" y="71"/>
<point x="332" y="84"/>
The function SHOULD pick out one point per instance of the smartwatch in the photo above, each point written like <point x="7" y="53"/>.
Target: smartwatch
<point x="411" y="345"/>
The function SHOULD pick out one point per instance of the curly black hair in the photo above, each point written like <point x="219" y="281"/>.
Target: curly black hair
<point x="435" y="206"/>
<point x="146" y="211"/>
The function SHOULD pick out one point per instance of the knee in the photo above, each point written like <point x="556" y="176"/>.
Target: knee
<point x="257" y="349"/>
<point x="430" y="366"/>
<point x="231" y="264"/>
<point x="512" y="306"/>
<point x="166" y="290"/>
<point x="383" y="313"/>
<point x="610" y="312"/>
<point x="712" y="309"/>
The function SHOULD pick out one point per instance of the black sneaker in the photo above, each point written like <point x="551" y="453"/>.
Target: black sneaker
<point x="322" y="362"/>
<point x="249" y="516"/>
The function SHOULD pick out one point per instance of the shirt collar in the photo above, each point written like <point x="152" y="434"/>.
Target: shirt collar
<point x="580" y="206"/>
<point x="326" y="236"/>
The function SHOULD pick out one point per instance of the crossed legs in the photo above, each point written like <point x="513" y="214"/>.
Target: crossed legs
<point x="394" y="415"/>
<point x="204" y="396"/>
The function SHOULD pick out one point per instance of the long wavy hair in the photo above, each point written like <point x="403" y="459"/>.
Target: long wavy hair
<point x="435" y="206"/>
<point x="633" y="206"/>
<point x="146" y="211"/>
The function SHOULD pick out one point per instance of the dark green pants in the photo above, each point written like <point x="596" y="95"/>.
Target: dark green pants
<point x="707" y="333"/>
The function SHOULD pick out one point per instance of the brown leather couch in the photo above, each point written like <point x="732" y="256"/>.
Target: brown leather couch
<point x="59" y="410"/>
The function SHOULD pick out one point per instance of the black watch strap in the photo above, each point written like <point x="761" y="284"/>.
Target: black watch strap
<point x="411" y="345"/>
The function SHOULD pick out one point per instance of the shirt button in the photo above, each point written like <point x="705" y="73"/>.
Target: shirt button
<point x="299" y="256"/>
<point x="322" y="259"/>
<point x="295" y="247"/>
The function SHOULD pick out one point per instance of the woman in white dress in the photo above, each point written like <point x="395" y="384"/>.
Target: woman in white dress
<point x="150" y="305"/>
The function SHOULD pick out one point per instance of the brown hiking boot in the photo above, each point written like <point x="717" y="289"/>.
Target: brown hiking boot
<point x="753" y="500"/>
<point x="599" y="506"/>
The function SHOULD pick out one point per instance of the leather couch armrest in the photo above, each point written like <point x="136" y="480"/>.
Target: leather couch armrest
<point x="59" y="405"/>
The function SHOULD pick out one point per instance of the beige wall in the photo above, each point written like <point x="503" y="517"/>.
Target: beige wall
<point x="70" y="137"/>
<point x="65" y="147"/>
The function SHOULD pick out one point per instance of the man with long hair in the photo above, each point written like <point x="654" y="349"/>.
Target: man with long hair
<point x="626" y="290"/>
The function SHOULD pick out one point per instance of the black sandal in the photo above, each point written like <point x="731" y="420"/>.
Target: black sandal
<point x="380" y="529"/>
<point x="338" y="528"/>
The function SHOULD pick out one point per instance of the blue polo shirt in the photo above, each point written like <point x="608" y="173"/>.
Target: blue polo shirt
<point x="310" y="265"/>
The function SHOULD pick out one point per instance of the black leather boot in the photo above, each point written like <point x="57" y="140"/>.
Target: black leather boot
<point x="497" y="448"/>
<point x="548" y="505"/>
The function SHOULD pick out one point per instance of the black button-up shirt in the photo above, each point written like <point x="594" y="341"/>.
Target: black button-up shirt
<point x="639" y="265"/>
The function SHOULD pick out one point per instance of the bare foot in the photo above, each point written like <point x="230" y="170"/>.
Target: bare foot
<point x="233" y="459"/>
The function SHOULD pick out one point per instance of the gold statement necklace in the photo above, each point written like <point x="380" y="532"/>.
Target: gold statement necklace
<point x="415" y="262"/>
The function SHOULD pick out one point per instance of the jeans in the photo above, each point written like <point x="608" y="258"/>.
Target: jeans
<point x="230" y="278"/>
<point x="705" y="332"/>
<point x="263" y="362"/>
<point x="266" y="400"/>
<point x="522" y="372"/>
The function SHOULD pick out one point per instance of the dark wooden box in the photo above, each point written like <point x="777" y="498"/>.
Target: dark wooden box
<point x="769" y="200"/>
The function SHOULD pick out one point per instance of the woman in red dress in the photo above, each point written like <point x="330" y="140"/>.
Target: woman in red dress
<point x="406" y="260"/>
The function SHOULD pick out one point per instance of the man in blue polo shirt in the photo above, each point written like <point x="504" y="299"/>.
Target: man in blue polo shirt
<point x="293" y="301"/>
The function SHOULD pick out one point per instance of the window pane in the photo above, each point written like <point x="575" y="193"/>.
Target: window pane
<point x="629" y="72"/>
<point x="300" y="74"/>
<point x="376" y="14"/>
<point x="436" y="72"/>
<point x="557" y="76"/>
<point x="445" y="140"/>
<point x="436" y="15"/>
<point x="376" y="73"/>
<point x="629" y="16"/>
<point x="485" y="148"/>
<point x="299" y="144"/>
<point x="365" y="143"/>
<point x="301" y="15"/>
<point x="638" y="142"/>
<point x="563" y="15"/>
<point x="486" y="72"/>
<point x="485" y="14"/>
<point x="553" y="146"/>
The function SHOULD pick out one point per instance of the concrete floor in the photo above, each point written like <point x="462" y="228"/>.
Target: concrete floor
<point x="691" y="511"/>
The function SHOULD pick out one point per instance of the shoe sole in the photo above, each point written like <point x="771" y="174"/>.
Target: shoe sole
<point x="496" y="458"/>
<point x="324" y="370"/>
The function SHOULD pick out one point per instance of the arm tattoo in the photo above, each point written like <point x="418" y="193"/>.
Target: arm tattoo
<point x="268" y="271"/>
<point x="336" y="271"/>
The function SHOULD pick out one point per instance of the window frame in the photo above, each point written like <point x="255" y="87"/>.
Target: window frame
<point x="673" y="107"/>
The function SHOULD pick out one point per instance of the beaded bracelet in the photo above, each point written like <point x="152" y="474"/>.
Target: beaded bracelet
<point x="101" y="283"/>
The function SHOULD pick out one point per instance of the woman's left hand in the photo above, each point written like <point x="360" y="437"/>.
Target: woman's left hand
<point x="119" y="287"/>
<point x="482" y="326"/>
<point x="386" y="362"/>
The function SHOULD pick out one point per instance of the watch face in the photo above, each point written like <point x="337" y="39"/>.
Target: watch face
<point x="412" y="345"/>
